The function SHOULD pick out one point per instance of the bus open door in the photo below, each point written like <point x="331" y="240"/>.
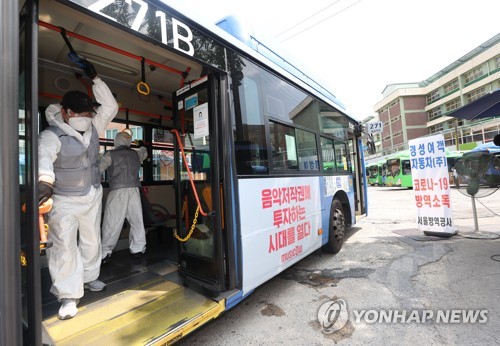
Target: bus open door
<point x="198" y="199"/>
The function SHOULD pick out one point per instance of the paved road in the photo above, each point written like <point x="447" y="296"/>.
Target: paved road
<point x="386" y="267"/>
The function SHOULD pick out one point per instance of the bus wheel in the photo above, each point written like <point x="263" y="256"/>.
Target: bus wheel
<point x="337" y="228"/>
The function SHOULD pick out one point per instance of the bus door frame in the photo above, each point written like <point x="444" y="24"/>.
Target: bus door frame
<point x="214" y="86"/>
<point x="357" y="157"/>
<point x="20" y="282"/>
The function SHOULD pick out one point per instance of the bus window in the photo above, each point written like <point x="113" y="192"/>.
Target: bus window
<point x="394" y="167"/>
<point x="406" y="167"/>
<point x="333" y="122"/>
<point x="284" y="146"/>
<point x="108" y="136"/>
<point x="328" y="153"/>
<point x="282" y="101"/>
<point x="308" y="152"/>
<point x="249" y="133"/>
<point x="163" y="155"/>
<point x="341" y="156"/>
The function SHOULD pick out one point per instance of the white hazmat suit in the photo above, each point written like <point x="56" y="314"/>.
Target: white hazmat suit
<point x="123" y="201"/>
<point x="74" y="221"/>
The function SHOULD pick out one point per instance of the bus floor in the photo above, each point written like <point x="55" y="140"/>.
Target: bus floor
<point x="120" y="273"/>
<point x="144" y="302"/>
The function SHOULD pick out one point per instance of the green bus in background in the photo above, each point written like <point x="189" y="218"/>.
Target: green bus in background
<point x="373" y="174"/>
<point x="382" y="172"/>
<point x="377" y="172"/>
<point x="399" y="170"/>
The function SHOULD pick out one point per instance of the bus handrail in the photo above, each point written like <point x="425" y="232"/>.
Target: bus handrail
<point x="190" y="175"/>
<point x="111" y="48"/>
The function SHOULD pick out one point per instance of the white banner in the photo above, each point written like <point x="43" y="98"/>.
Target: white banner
<point x="429" y="170"/>
<point x="280" y="219"/>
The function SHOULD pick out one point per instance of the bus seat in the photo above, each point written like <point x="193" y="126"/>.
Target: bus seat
<point x="155" y="216"/>
<point x="207" y="197"/>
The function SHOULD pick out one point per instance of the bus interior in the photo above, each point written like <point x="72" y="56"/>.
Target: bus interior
<point x="145" y="79"/>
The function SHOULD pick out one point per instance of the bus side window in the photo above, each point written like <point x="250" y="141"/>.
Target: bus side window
<point x="284" y="146"/>
<point x="328" y="154"/>
<point x="341" y="156"/>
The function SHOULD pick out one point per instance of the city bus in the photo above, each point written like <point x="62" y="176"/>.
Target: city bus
<point x="251" y="167"/>
<point x="377" y="172"/>
<point x="382" y="172"/>
<point x="399" y="170"/>
<point x="373" y="173"/>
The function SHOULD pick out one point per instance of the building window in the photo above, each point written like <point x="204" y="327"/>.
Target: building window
<point x="393" y="120"/>
<point x="475" y="94"/>
<point x="436" y="128"/>
<point x="473" y="74"/>
<point x="433" y="96"/>
<point x="137" y="133"/>
<point x="451" y="86"/>
<point x="434" y="113"/>
<point x="453" y="104"/>
<point x="397" y="134"/>
<point x="386" y="123"/>
<point x="393" y="103"/>
<point x="451" y="123"/>
<point x="497" y="62"/>
<point x="111" y="133"/>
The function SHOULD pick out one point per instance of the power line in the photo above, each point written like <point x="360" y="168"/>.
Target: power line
<point x="312" y="15"/>
<point x="321" y="21"/>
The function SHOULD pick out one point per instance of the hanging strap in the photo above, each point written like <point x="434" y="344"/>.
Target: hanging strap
<point x="72" y="55"/>
<point x="142" y="87"/>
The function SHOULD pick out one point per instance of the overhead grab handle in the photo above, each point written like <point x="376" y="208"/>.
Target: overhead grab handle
<point x="190" y="175"/>
<point x="142" y="87"/>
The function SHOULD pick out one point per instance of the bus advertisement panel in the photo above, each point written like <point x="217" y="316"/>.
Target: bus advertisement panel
<point x="282" y="228"/>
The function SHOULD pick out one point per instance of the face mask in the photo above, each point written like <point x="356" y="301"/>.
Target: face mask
<point x="80" y="123"/>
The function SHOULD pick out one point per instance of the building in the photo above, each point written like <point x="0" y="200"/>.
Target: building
<point x="412" y="110"/>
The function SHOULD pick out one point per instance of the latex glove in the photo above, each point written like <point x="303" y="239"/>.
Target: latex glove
<point x="88" y="68"/>
<point x="45" y="191"/>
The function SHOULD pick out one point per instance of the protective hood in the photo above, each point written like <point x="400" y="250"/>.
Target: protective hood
<point x="54" y="118"/>
<point x="122" y="139"/>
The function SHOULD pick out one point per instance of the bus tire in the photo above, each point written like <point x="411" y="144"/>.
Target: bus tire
<point x="336" y="232"/>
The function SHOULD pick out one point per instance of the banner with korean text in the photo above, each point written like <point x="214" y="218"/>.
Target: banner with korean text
<point x="429" y="170"/>
<point x="280" y="219"/>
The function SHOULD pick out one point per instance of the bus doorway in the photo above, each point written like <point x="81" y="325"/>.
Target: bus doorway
<point x="198" y="201"/>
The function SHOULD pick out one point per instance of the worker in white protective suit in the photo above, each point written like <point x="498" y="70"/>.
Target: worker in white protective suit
<point x="68" y="153"/>
<point x="123" y="201"/>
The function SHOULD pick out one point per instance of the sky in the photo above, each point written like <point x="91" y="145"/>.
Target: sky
<point x="355" y="48"/>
